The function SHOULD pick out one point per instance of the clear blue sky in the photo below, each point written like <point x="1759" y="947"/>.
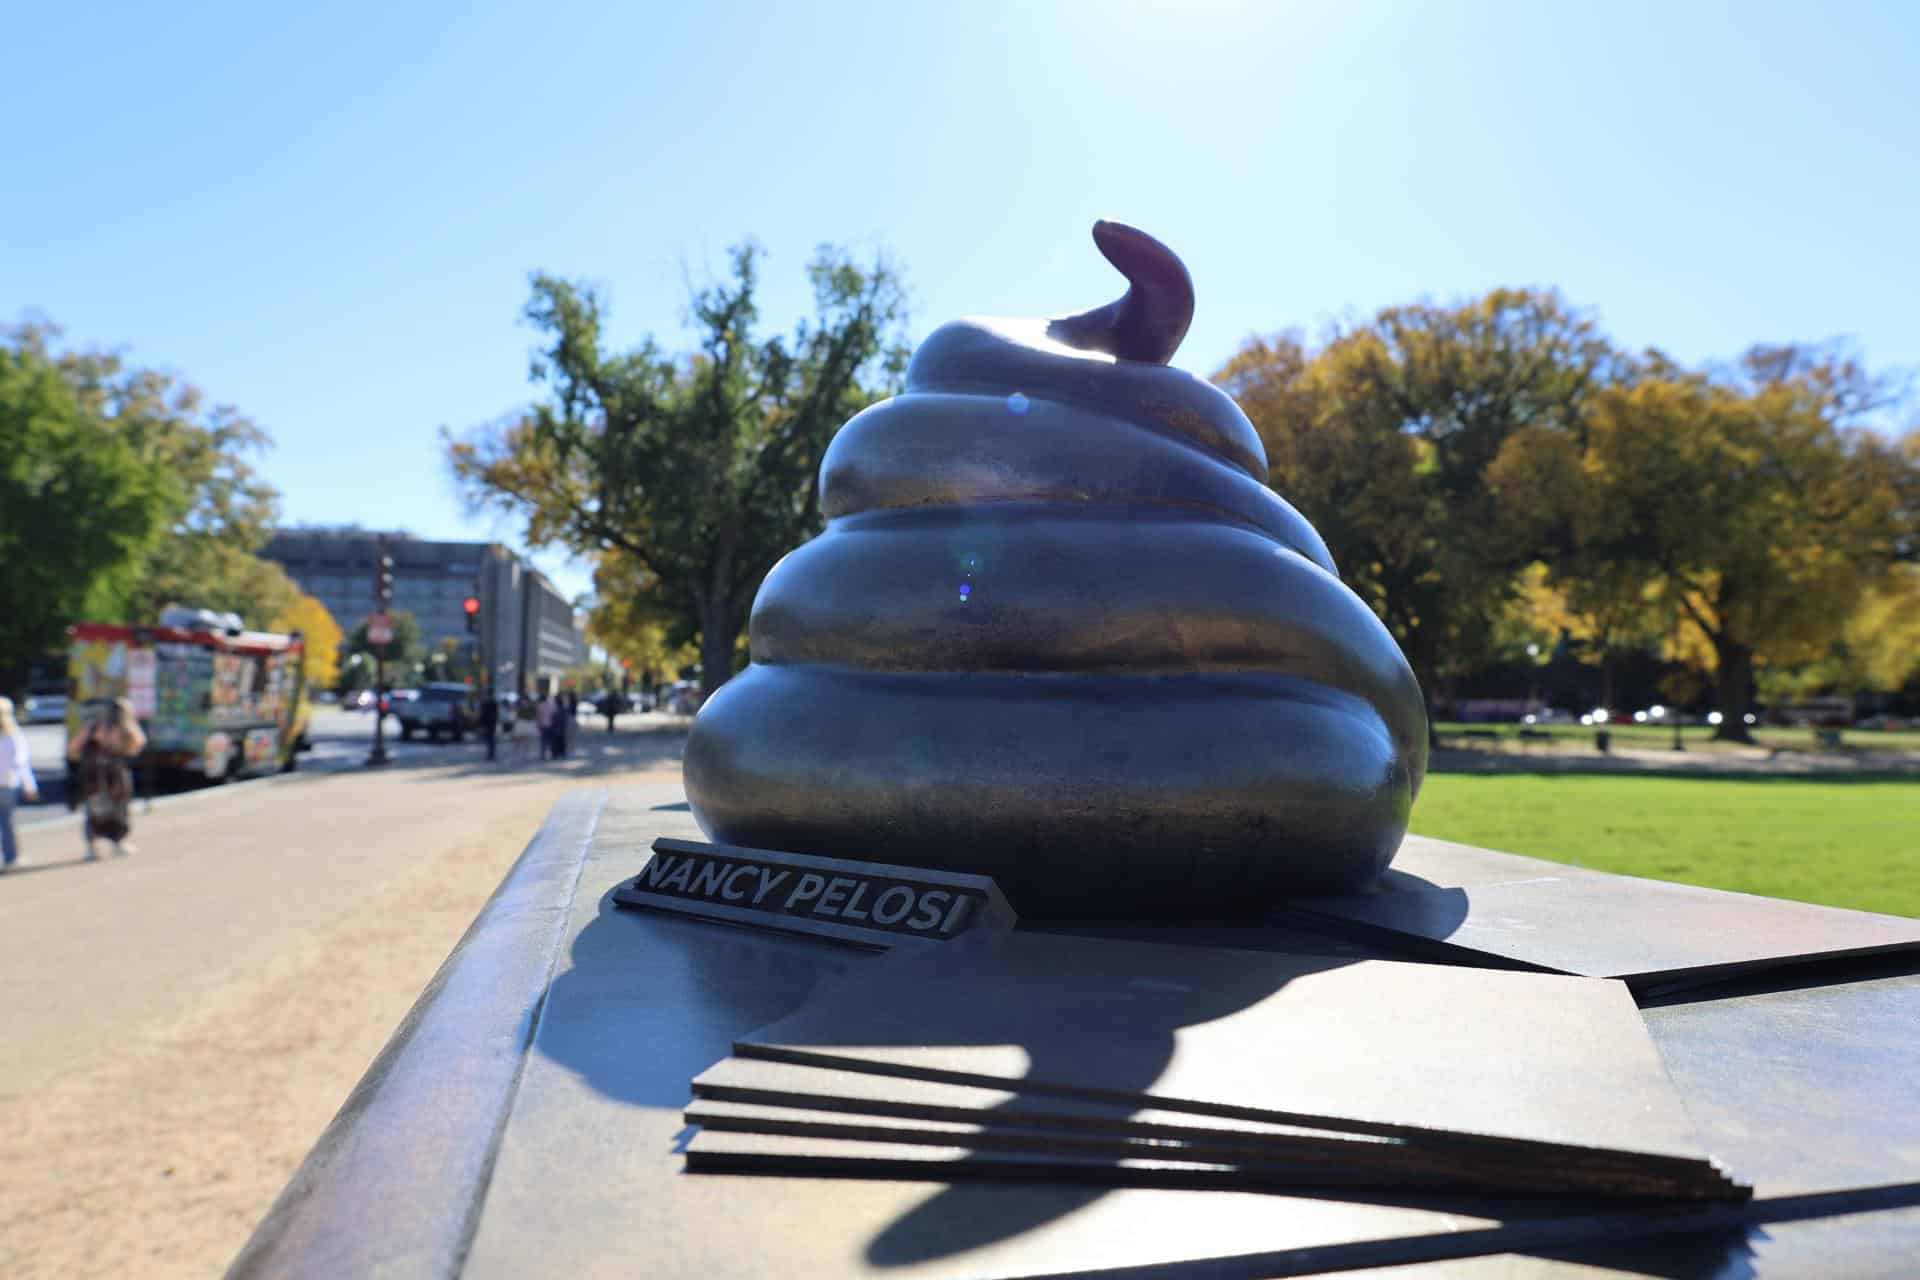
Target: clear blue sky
<point x="328" y="220"/>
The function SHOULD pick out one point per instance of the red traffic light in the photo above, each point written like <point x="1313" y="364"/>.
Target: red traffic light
<point x="471" y="605"/>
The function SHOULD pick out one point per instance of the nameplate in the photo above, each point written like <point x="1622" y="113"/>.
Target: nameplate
<point x="869" y="904"/>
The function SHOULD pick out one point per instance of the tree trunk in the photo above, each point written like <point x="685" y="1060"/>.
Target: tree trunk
<point x="1734" y="675"/>
<point x="719" y="634"/>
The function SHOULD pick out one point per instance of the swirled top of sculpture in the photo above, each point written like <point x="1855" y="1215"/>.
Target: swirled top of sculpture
<point x="1080" y="409"/>
<point x="1059" y="624"/>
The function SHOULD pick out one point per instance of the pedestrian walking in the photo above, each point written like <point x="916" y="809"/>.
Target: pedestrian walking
<point x="610" y="707"/>
<point x="102" y="785"/>
<point x="545" y="713"/>
<point x="16" y="777"/>
<point x="524" y="727"/>
<point x="489" y="720"/>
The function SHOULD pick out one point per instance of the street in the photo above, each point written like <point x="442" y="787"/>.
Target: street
<point x="182" y="1022"/>
<point x="340" y="739"/>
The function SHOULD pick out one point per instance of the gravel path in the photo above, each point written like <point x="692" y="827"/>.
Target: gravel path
<point x="182" y="1023"/>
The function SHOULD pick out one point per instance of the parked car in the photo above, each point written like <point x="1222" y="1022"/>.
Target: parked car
<point x="439" y="710"/>
<point x="44" y="706"/>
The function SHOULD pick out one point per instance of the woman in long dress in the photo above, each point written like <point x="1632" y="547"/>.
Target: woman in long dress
<point x="16" y="775"/>
<point x="102" y="757"/>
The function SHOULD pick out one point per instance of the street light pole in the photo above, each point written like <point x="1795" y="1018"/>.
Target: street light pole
<point x="383" y="599"/>
<point x="379" y="753"/>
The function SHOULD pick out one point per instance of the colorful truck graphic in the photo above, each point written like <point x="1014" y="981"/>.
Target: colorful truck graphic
<point x="214" y="703"/>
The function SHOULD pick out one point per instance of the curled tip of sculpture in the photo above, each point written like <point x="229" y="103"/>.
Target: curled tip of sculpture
<point x="1147" y="322"/>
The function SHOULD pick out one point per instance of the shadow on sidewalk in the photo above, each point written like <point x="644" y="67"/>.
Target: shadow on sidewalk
<point x="36" y="865"/>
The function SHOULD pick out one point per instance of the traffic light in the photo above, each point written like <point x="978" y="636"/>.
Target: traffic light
<point x="383" y="578"/>
<point x="472" y="606"/>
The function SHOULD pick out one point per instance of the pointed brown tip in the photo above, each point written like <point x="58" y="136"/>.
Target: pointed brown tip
<point x="1148" y="322"/>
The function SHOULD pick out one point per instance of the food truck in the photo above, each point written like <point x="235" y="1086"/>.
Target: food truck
<point x="216" y="701"/>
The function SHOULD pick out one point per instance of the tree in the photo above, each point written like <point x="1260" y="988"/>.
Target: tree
<point x="208" y="574"/>
<point x="1384" y="438"/>
<point x="407" y="649"/>
<point x="1876" y="649"/>
<point x="1883" y="636"/>
<point x="702" y="470"/>
<point x="452" y="659"/>
<point x="322" y="635"/>
<point x="218" y="511"/>
<point x="1605" y="612"/>
<point x="79" y="507"/>
<point x="1750" y="500"/>
<point x="630" y="620"/>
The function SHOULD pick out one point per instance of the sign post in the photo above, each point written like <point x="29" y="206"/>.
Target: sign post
<point x="379" y="636"/>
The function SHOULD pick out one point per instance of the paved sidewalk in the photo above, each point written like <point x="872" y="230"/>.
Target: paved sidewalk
<point x="182" y="1023"/>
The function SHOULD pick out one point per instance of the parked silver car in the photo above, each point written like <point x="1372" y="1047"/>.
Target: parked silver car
<point x="44" y="707"/>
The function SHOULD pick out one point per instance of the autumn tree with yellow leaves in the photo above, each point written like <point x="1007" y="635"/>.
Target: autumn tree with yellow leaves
<point x="1469" y="465"/>
<point x="632" y="622"/>
<point x="322" y="636"/>
<point x="1384" y="437"/>
<point x="1752" y="506"/>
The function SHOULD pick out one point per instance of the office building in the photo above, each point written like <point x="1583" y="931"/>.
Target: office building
<point x="526" y="628"/>
<point x="528" y="631"/>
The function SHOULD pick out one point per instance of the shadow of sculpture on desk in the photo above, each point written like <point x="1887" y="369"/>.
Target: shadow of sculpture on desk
<point x="1442" y="910"/>
<point x="964" y="1216"/>
<point x="639" y="1033"/>
<point x="641" y="1022"/>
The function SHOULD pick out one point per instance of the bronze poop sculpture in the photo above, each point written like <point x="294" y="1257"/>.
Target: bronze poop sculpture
<point x="1058" y="631"/>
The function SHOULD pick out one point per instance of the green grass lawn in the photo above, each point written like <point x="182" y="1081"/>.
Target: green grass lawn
<point x="1847" y="843"/>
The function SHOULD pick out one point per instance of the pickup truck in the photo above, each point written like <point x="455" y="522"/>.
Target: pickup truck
<point x="438" y="710"/>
